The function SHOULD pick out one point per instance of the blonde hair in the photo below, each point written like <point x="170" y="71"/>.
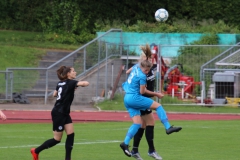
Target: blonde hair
<point x="142" y="56"/>
<point x="146" y="64"/>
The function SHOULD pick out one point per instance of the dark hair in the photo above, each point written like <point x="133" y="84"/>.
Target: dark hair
<point x="146" y="50"/>
<point x="62" y="72"/>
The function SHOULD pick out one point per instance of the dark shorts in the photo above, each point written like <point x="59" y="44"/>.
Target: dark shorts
<point x="145" y="112"/>
<point x="59" y="120"/>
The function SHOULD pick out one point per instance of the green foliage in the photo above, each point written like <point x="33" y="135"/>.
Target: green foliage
<point x="177" y="26"/>
<point x="64" y="38"/>
<point x="77" y="21"/>
<point x="21" y="14"/>
<point x="19" y="57"/>
<point x="193" y="57"/>
<point x="31" y="39"/>
<point x="66" y="24"/>
<point x="220" y="26"/>
<point x="193" y="53"/>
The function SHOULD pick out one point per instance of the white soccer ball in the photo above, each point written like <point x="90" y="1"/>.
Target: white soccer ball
<point x="161" y="15"/>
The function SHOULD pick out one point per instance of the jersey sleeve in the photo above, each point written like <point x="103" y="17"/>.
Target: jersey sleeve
<point x="73" y="84"/>
<point x="143" y="80"/>
<point x="154" y="67"/>
<point x="57" y="87"/>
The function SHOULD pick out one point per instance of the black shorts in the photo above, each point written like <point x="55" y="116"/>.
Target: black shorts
<point x="145" y="112"/>
<point x="59" y="120"/>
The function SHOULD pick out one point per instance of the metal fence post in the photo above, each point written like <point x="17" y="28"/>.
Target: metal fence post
<point x="99" y="49"/>
<point x="46" y="89"/>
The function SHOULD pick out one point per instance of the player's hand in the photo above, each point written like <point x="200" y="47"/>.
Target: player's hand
<point x="160" y="95"/>
<point x="2" y="116"/>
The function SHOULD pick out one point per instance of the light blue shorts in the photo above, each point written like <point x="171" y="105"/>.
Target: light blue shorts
<point x="136" y="102"/>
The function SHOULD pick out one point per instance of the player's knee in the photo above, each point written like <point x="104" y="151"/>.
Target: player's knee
<point x="70" y="140"/>
<point x="58" y="138"/>
<point x="155" y="105"/>
<point x="54" y="142"/>
<point x="71" y="137"/>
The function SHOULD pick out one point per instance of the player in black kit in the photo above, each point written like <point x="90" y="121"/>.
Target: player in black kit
<point x="61" y="112"/>
<point x="148" y="121"/>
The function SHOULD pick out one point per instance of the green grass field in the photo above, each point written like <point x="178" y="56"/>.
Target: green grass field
<point x="209" y="140"/>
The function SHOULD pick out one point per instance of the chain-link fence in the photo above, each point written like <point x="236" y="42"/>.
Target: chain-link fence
<point x="6" y="79"/>
<point x="187" y="74"/>
<point x="92" y="61"/>
<point x="220" y="76"/>
<point x="208" y="73"/>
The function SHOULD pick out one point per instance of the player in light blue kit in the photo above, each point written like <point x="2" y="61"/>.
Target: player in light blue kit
<point x="134" y="101"/>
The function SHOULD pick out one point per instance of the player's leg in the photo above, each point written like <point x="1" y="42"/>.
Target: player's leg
<point x="47" y="144"/>
<point x="57" y="136"/>
<point x="137" y="138"/>
<point x="133" y="104"/>
<point x="135" y="115"/>
<point x="149" y="133"/>
<point x="130" y="134"/>
<point x="70" y="139"/>
<point x="163" y="118"/>
<point x="58" y="127"/>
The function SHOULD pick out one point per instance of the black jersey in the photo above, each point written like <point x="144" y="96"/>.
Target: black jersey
<point x="65" y="95"/>
<point x="151" y="80"/>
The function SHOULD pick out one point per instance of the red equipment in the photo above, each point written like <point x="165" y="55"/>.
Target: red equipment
<point x="175" y="81"/>
<point x="154" y="54"/>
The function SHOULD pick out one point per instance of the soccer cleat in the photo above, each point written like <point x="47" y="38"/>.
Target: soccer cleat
<point x="136" y="155"/>
<point x="125" y="149"/>
<point x="34" y="155"/>
<point x="173" y="129"/>
<point x="155" y="155"/>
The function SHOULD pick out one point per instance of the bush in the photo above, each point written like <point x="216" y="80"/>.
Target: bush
<point x="177" y="26"/>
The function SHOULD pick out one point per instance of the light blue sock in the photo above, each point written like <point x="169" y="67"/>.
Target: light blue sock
<point x="131" y="132"/>
<point x="163" y="117"/>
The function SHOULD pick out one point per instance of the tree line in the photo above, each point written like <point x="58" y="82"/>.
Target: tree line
<point x="79" y="17"/>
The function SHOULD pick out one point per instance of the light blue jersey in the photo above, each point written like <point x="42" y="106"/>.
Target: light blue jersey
<point x="135" y="79"/>
<point x="133" y="100"/>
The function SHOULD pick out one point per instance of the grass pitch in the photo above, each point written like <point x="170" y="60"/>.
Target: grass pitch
<point x="209" y="140"/>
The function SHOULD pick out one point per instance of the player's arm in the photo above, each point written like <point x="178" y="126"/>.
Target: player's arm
<point x="143" y="85"/>
<point x="83" y="83"/>
<point x="129" y="70"/>
<point x="55" y="93"/>
<point x="157" y="94"/>
<point x="143" y="89"/>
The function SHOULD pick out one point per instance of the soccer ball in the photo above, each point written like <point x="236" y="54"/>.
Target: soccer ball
<point x="161" y="15"/>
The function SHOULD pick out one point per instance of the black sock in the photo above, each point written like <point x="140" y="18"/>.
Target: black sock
<point x="47" y="144"/>
<point x="137" y="138"/>
<point x="150" y="136"/>
<point x="69" y="146"/>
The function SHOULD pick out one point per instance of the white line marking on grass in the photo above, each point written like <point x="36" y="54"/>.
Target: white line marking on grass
<point x="80" y="143"/>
